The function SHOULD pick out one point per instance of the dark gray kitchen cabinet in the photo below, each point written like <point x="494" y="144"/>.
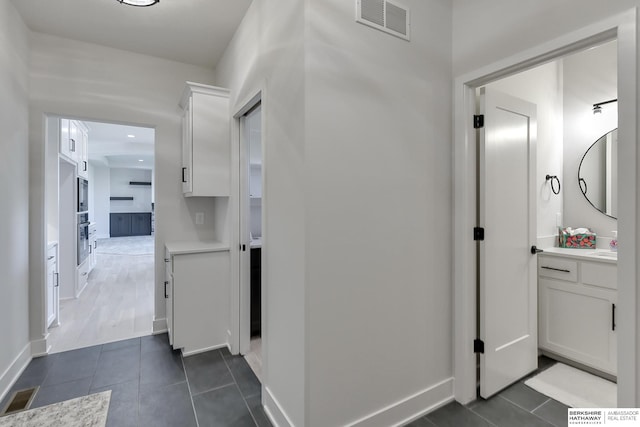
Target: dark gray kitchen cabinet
<point x="130" y="224"/>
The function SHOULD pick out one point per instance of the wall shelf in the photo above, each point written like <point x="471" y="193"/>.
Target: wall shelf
<point x="120" y="198"/>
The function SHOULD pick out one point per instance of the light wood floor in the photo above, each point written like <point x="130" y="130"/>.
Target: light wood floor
<point x="254" y="357"/>
<point x="116" y="304"/>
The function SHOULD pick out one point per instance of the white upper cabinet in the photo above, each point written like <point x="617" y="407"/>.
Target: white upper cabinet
<point x="83" y="150"/>
<point x="74" y="144"/>
<point x="206" y="145"/>
<point x="68" y="139"/>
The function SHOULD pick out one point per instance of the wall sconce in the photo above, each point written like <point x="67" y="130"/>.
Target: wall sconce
<point x="597" y="108"/>
<point x="139" y="3"/>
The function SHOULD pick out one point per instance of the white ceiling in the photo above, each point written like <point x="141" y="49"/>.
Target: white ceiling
<point x="191" y="31"/>
<point x="110" y="145"/>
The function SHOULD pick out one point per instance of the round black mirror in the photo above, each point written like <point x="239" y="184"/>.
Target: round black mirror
<point x="598" y="174"/>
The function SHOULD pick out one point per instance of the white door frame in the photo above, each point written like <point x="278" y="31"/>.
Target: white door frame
<point x="622" y="27"/>
<point x="240" y="305"/>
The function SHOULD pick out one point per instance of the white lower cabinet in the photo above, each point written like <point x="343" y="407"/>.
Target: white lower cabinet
<point x="197" y="283"/>
<point x="93" y="245"/>
<point x="53" y="283"/>
<point x="82" y="272"/>
<point x="577" y="311"/>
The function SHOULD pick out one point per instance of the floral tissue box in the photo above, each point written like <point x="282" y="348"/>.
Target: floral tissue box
<point x="578" y="238"/>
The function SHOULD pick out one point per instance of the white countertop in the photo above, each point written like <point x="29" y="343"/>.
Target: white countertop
<point x="256" y="243"/>
<point x="192" y="247"/>
<point x="603" y="255"/>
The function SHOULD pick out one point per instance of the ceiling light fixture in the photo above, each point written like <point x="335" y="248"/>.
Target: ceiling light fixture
<point x="140" y="160"/>
<point x="139" y="3"/>
<point x="597" y="108"/>
<point x="131" y="136"/>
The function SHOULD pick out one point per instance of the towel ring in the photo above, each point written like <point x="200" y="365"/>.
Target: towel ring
<point x="554" y="179"/>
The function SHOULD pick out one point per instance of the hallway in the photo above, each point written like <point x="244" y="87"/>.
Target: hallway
<point x="117" y="303"/>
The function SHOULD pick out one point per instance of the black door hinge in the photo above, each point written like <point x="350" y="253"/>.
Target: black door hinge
<point x="478" y="346"/>
<point x="478" y="233"/>
<point x="478" y="121"/>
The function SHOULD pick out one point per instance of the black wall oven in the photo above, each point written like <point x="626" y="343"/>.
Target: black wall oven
<point x="83" y="195"/>
<point x="83" y="237"/>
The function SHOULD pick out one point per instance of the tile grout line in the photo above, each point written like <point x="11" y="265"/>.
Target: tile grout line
<point x="186" y="377"/>
<point x="520" y="406"/>
<point x="484" y="418"/>
<point x="238" y="387"/>
<point x="213" y="389"/>
<point x="541" y="405"/>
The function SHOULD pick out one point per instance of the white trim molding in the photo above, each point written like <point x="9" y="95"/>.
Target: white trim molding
<point x="15" y="369"/>
<point x="274" y="411"/>
<point x="40" y="347"/>
<point x="411" y="407"/>
<point x="159" y="326"/>
<point x="622" y="27"/>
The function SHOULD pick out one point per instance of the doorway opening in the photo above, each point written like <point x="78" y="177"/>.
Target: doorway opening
<point x="622" y="29"/>
<point x="251" y="255"/>
<point x="100" y="225"/>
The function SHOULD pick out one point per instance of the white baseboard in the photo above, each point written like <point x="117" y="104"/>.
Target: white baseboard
<point x="13" y="371"/>
<point x="411" y="407"/>
<point x="274" y="411"/>
<point x="397" y="414"/>
<point x="40" y="347"/>
<point x="203" y="350"/>
<point x="159" y="326"/>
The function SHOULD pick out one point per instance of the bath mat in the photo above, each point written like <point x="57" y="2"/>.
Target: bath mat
<point x="575" y="388"/>
<point x="85" y="411"/>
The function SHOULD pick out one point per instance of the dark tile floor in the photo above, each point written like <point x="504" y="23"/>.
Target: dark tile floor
<point x="151" y="385"/>
<point x="517" y="405"/>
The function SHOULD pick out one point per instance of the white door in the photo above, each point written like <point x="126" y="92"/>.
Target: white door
<point x="507" y="212"/>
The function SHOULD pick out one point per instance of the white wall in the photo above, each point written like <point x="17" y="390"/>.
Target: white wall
<point x="100" y="205"/>
<point x="120" y="187"/>
<point x="590" y="77"/>
<point x="267" y="53"/>
<point x="87" y="81"/>
<point x="14" y="194"/>
<point x="357" y="167"/>
<point x="543" y="87"/>
<point x="378" y="210"/>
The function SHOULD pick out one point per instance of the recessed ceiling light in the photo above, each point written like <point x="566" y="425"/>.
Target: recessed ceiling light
<point x="131" y="136"/>
<point x="140" y="160"/>
<point x="140" y="3"/>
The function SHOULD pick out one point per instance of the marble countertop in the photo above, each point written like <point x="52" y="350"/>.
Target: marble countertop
<point x="603" y="255"/>
<point x="192" y="247"/>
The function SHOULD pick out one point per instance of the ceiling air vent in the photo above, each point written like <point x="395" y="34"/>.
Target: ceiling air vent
<point x="384" y="15"/>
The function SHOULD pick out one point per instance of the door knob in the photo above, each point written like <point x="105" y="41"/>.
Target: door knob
<point x="535" y="250"/>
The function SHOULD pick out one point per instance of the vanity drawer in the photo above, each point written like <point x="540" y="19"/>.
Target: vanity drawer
<point x="558" y="268"/>
<point x="600" y="274"/>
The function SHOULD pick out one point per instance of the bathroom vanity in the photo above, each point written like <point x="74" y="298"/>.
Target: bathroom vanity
<point x="577" y="296"/>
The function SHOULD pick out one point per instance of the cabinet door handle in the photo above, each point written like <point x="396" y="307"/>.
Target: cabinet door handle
<point x="90" y="249"/>
<point x="183" y="177"/>
<point x="85" y="165"/>
<point x="165" y="289"/>
<point x="57" y="279"/>
<point x="51" y="257"/>
<point x="72" y="145"/>
<point x="167" y="260"/>
<point x="613" y="317"/>
<point x="556" y="269"/>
